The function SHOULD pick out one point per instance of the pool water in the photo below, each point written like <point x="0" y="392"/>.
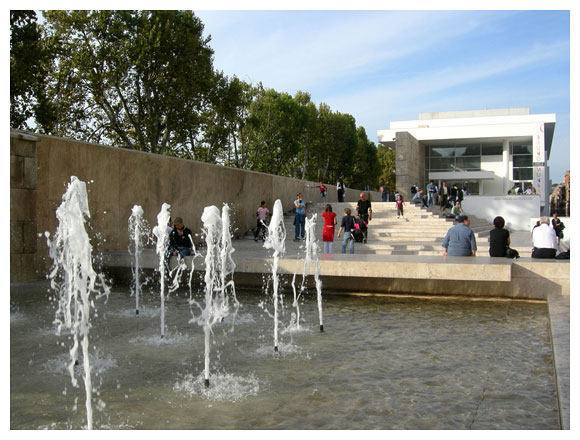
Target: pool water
<point x="381" y="363"/>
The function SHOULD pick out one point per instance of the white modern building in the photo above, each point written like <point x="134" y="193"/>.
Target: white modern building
<point x="485" y="151"/>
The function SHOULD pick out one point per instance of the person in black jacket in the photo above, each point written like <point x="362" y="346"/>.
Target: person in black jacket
<point x="365" y="211"/>
<point x="453" y="195"/>
<point x="347" y="225"/>
<point x="558" y="226"/>
<point x="180" y="243"/>
<point x="499" y="238"/>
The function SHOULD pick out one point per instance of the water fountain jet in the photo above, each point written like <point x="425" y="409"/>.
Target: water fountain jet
<point x="138" y="234"/>
<point x="219" y="270"/>
<point x="312" y="256"/>
<point x="71" y="252"/>
<point x="160" y="231"/>
<point x="276" y="241"/>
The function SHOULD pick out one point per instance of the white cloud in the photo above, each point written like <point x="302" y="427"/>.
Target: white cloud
<point x="390" y="94"/>
<point x="301" y="55"/>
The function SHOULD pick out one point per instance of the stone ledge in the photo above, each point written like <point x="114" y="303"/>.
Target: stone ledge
<point x="358" y="265"/>
<point x="411" y="274"/>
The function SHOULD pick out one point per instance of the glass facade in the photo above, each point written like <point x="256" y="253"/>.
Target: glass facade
<point x="522" y="171"/>
<point x="454" y="159"/>
<point x="465" y="157"/>
<point x="471" y="186"/>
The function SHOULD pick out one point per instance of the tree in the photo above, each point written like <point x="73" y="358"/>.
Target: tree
<point x="273" y="132"/>
<point x="29" y="61"/>
<point x="140" y="79"/>
<point x="386" y="161"/>
<point x="145" y="80"/>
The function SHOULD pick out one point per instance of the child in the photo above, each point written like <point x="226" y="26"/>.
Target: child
<point x="328" y="229"/>
<point x="347" y="225"/>
<point x="261" y="214"/>
<point x="360" y="227"/>
<point x="399" y="204"/>
<point x="323" y="190"/>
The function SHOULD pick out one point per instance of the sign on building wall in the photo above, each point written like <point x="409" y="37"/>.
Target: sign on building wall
<point x="538" y="144"/>
<point x="540" y="181"/>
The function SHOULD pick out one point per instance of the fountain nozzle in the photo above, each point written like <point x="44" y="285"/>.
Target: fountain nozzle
<point x="321" y="328"/>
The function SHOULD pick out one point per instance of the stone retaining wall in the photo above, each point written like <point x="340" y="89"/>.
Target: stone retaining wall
<point x="117" y="179"/>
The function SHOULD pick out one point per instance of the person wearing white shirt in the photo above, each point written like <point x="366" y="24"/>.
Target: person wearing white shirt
<point x="544" y="240"/>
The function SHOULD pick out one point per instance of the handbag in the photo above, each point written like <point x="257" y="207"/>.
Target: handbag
<point x="511" y="253"/>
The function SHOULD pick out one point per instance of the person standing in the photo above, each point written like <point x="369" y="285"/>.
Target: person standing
<point x="443" y="195"/>
<point x="299" y="218"/>
<point x="364" y="210"/>
<point x="460" y="240"/>
<point x="323" y="189"/>
<point x="340" y="190"/>
<point x="459" y="193"/>
<point x="452" y="195"/>
<point x="347" y="225"/>
<point x="384" y="195"/>
<point x="430" y="193"/>
<point x="399" y="204"/>
<point x="544" y="240"/>
<point x="261" y="214"/>
<point x="328" y="229"/>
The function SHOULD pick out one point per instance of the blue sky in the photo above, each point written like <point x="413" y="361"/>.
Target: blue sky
<point x="390" y="65"/>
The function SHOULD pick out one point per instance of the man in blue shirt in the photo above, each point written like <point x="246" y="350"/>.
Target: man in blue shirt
<point x="300" y="217"/>
<point x="430" y="192"/>
<point x="460" y="239"/>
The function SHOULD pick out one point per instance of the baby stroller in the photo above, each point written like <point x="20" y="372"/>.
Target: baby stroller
<point x="360" y="227"/>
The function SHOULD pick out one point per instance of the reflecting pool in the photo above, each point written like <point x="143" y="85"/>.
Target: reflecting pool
<point x="381" y="363"/>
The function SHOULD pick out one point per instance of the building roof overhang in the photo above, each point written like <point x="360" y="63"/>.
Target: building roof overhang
<point x="461" y="175"/>
<point x="482" y="129"/>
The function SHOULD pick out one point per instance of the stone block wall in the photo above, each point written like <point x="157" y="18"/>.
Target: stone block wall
<point x="410" y="163"/>
<point x="23" y="196"/>
<point x="117" y="179"/>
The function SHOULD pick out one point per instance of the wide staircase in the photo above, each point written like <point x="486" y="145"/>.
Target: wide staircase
<point x="419" y="232"/>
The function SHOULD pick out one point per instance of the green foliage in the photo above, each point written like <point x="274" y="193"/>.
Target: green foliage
<point x="29" y="59"/>
<point x="386" y="161"/>
<point x="145" y="80"/>
<point x="140" y="79"/>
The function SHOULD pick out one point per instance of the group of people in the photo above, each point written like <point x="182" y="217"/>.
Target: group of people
<point x="353" y="228"/>
<point x="444" y="196"/>
<point x="460" y="239"/>
<point x="516" y="190"/>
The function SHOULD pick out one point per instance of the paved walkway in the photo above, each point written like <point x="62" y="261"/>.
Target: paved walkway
<point x="559" y="312"/>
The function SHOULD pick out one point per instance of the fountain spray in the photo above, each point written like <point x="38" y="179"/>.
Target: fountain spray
<point x="160" y="231"/>
<point x="312" y="255"/>
<point x="138" y="234"/>
<point x="194" y="254"/>
<point x="276" y="241"/>
<point x="74" y="279"/>
<point x="219" y="270"/>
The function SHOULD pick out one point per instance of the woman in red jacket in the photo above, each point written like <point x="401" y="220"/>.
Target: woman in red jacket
<point x="328" y="230"/>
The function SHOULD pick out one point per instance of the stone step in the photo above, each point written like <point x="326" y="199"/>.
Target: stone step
<point x="481" y="252"/>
